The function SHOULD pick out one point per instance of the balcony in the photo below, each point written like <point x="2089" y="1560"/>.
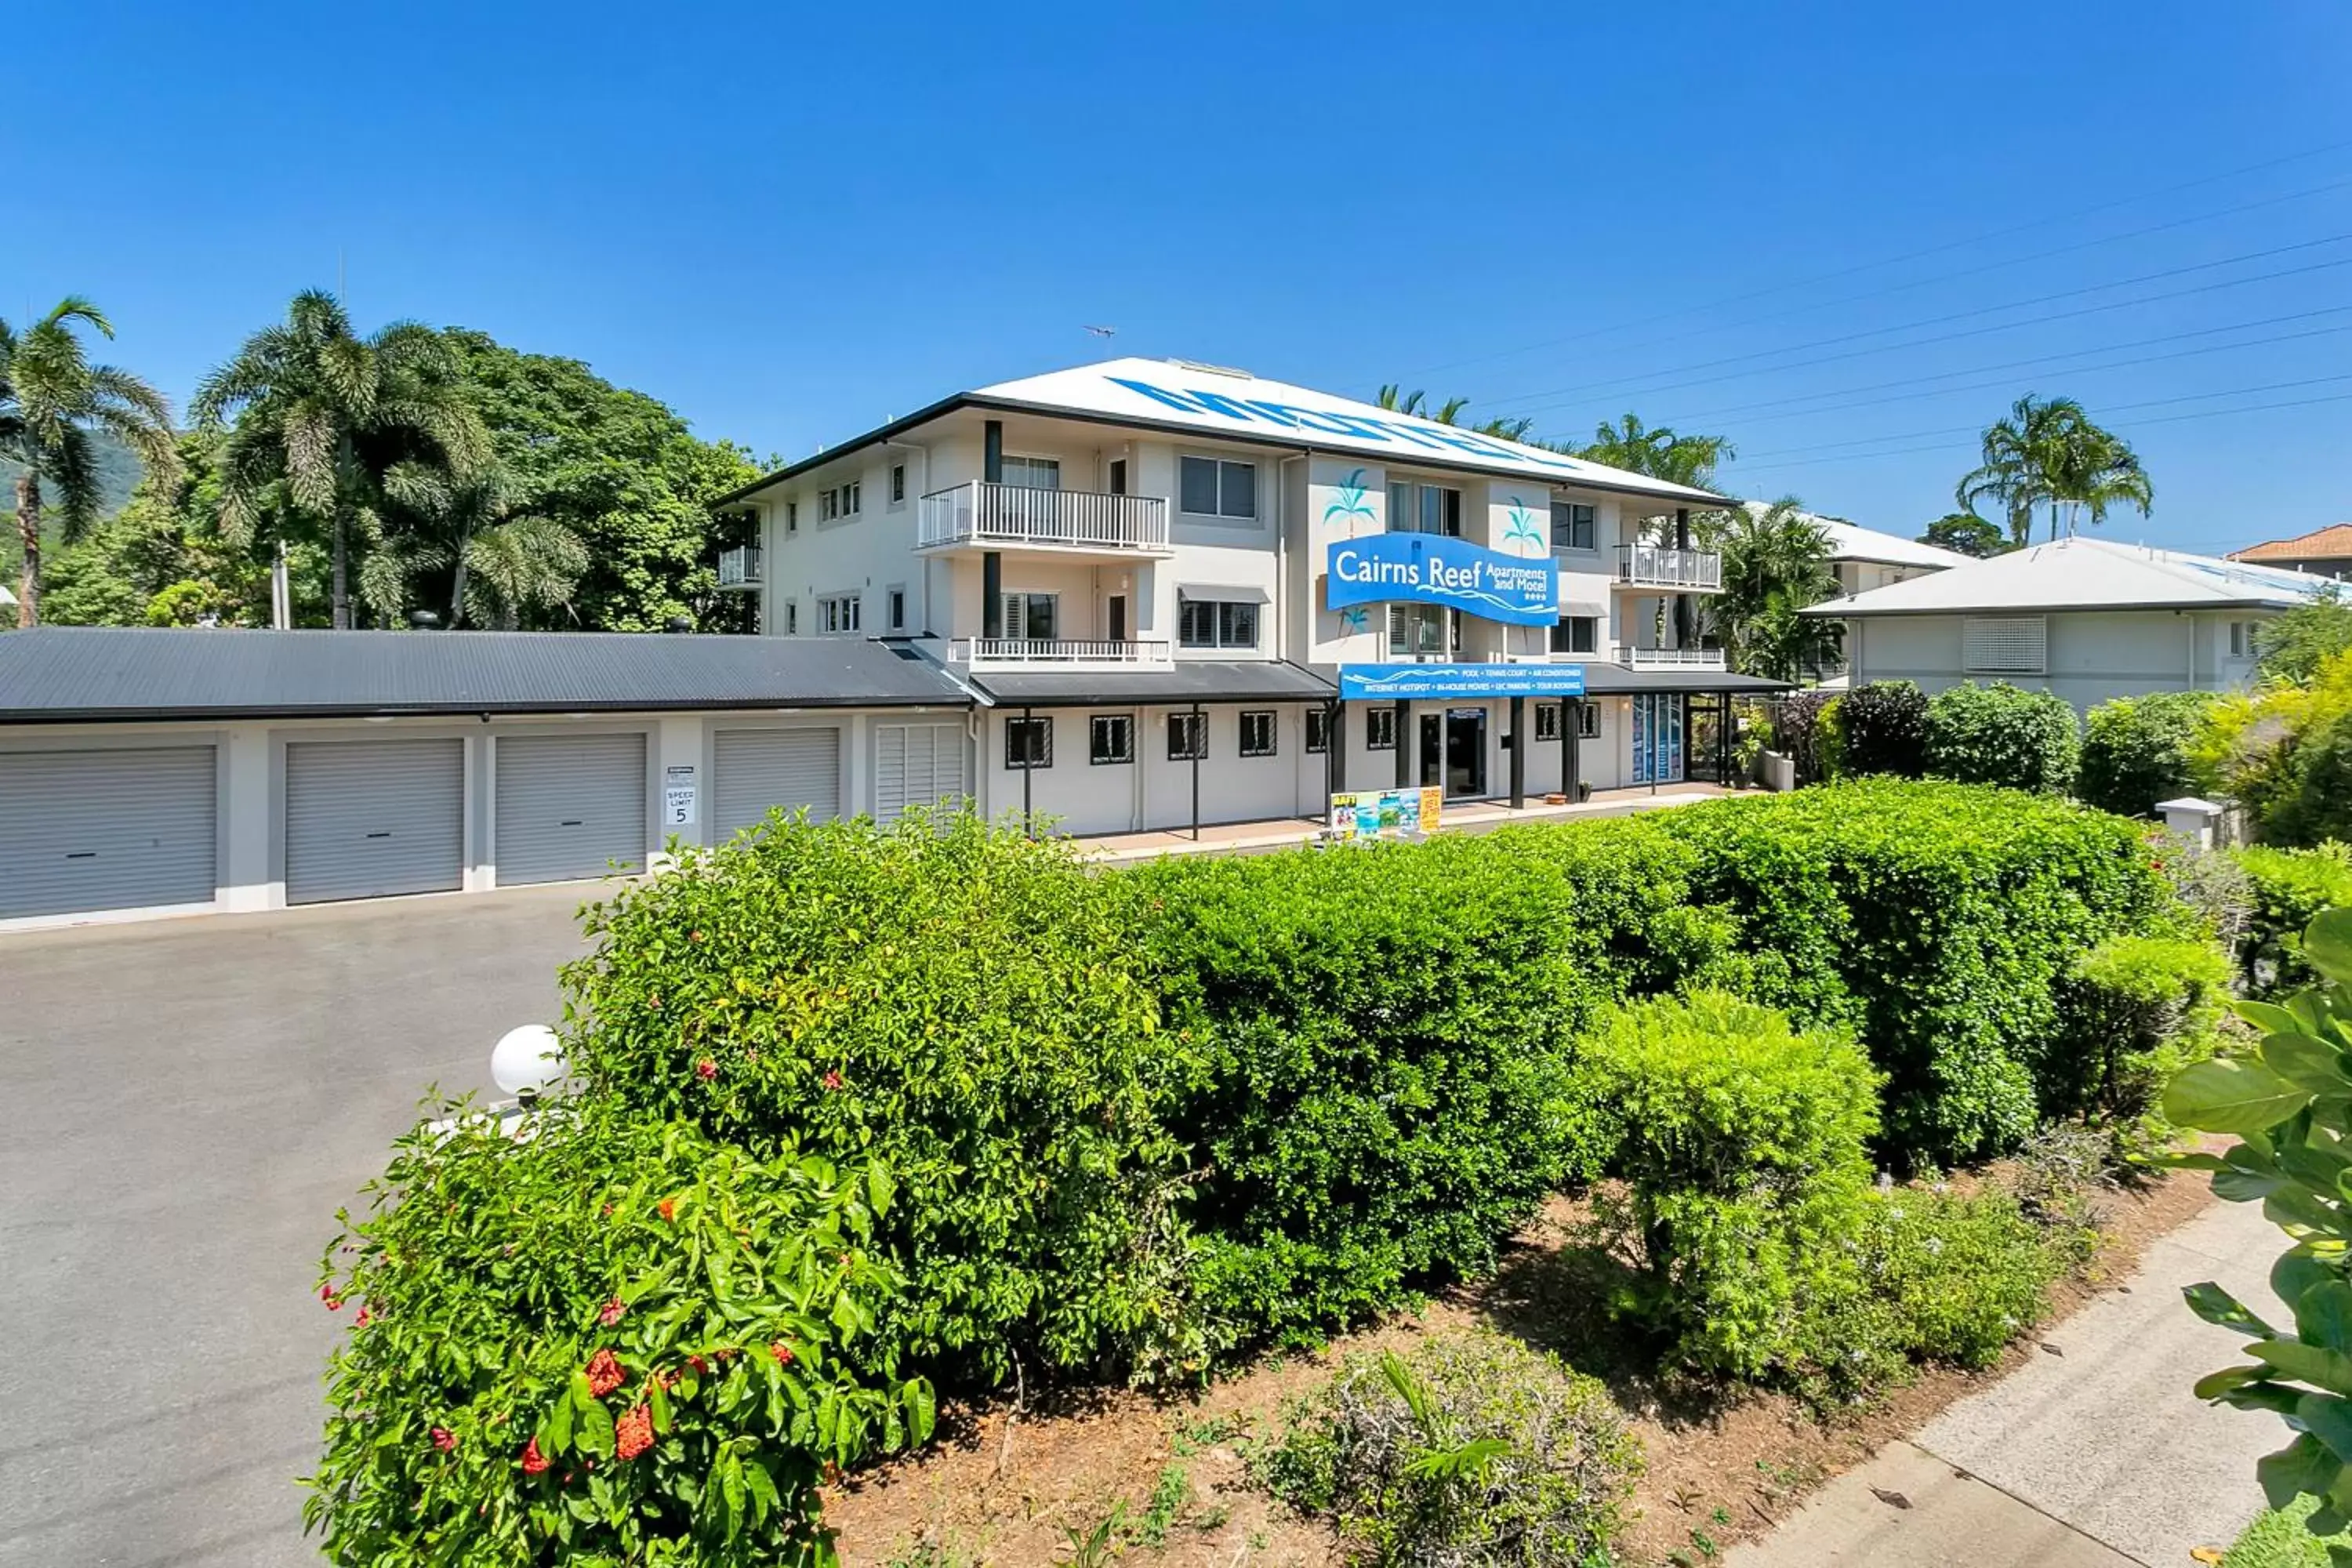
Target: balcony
<point x="1669" y="657"/>
<point x="985" y="516"/>
<point x="740" y="567"/>
<point x="1663" y="566"/>
<point x="1059" y="653"/>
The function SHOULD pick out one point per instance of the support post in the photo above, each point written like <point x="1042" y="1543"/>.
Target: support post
<point x="1682" y="601"/>
<point x="1571" y="715"/>
<point x="992" y="593"/>
<point x="1028" y="771"/>
<point x="1518" y="752"/>
<point x="1200" y="745"/>
<point x="991" y="451"/>
<point x="1404" y="743"/>
<point x="1335" y="743"/>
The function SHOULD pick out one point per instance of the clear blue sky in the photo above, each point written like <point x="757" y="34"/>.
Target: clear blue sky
<point x="791" y="222"/>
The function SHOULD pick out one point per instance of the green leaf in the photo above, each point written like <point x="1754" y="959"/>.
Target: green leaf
<point x="2277" y="1399"/>
<point x="2302" y="1467"/>
<point x="595" y="1433"/>
<point x="2323" y="1316"/>
<point x="762" y="1488"/>
<point x="2214" y="1384"/>
<point x="2331" y="1370"/>
<point x="2236" y="1184"/>
<point x="922" y="1408"/>
<point x="2295" y="1272"/>
<point x="657" y="1402"/>
<point x="2327" y="1418"/>
<point x="2307" y="1060"/>
<point x="2217" y="1306"/>
<point x="2223" y="1096"/>
<point x="555" y="1432"/>
<point x="2268" y="1016"/>
<point x="2328" y="945"/>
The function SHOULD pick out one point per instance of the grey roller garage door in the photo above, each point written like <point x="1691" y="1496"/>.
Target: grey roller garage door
<point x="759" y="770"/>
<point x="916" y="764"/>
<point x="106" y="831"/>
<point x="373" y="819"/>
<point x="570" y="806"/>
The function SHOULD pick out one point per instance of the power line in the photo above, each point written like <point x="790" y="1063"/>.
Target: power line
<point x="1887" y="261"/>
<point x="1571" y="393"/>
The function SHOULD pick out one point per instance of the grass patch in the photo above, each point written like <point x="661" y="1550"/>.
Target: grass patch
<point x="2278" y="1539"/>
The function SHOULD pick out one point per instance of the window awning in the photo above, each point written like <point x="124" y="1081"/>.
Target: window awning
<point x="1250" y="592"/>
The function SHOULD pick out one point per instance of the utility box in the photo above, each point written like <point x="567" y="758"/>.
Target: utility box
<point x="2193" y="821"/>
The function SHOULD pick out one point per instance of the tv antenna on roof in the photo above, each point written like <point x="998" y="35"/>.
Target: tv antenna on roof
<point x="1103" y="332"/>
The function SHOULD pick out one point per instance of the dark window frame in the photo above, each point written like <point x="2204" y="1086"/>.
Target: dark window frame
<point x="1188" y="737"/>
<point x="1101" y="724"/>
<point x="1380" y="729"/>
<point x="1271" y="721"/>
<point x="1025" y="756"/>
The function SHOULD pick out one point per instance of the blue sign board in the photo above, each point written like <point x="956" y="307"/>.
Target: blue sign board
<point x="1393" y="682"/>
<point x="1434" y="569"/>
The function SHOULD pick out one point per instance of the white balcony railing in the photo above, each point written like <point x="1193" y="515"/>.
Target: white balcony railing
<point x="740" y="567"/>
<point x="1669" y="657"/>
<point x="982" y="513"/>
<point x="1058" y="652"/>
<point x="1664" y="566"/>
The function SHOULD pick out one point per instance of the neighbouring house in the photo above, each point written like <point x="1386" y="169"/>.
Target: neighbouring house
<point x="2323" y="551"/>
<point x="2086" y="618"/>
<point x="1863" y="559"/>
<point x="1186" y="594"/>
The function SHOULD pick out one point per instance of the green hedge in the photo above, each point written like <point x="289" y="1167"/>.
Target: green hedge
<point x="2289" y="887"/>
<point x="1884" y="726"/>
<point x="2002" y="734"/>
<point x="1935" y="920"/>
<point x="2136" y="751"/>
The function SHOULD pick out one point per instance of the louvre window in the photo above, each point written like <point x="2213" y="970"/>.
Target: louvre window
<point x="2005" y="644"/>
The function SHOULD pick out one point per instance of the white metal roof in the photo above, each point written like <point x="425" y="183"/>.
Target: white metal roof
<point x="1852" y="541"/>
<point x="2083" y="575"/>
<point x="1235" y="405"/>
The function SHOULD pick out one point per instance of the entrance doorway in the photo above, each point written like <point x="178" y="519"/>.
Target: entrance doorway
<point x="1115" y="617"/>
<point x="1465" y="753"/>
<point x="1432" y="750"/>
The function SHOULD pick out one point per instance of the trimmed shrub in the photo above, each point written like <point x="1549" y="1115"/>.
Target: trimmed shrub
<point x="948" y="996"/>
<point x="2290" y="885"/>
<point x="2317" y="806"/>
<point x="1934" y="920"/>
<point x="1959" y="1277"/>
<point x="2134" y="1010"/>
<point x="2136" y="751"/>
<point x="1380" y="1035"/>
<point x="2002" y="734"/>
<point x="1742" y="1142"/>
<point x="604" y="1338"/>
<point x="1885" y="725"/>
<point x="1471" y="1449"/>
<point x="1799" y="733"/>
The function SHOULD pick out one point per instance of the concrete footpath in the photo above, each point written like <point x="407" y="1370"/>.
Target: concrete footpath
<point x="2098" y="1456"/>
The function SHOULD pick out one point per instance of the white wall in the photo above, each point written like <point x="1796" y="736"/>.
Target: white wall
<point x="1154" y="792"/>
<point x="2092" y="655"/>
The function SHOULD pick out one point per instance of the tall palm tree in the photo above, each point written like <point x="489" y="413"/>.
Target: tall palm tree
<point x="53" y="404"/>
<point x="1393" y="396"/>
<point x="1660" y="452"/>
<point x="2051" y="450"/>
<point x="1776" y="561"/>
<point x="335" y="433"/>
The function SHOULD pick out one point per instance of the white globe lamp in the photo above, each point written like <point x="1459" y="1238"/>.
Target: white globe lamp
<point x="527" y="1060"/>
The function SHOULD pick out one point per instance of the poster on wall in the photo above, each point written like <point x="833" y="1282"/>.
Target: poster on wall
<point x="1367" y="815"/>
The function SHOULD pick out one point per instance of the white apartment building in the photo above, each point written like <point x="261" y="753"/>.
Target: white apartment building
<point x="1182" y="593"/>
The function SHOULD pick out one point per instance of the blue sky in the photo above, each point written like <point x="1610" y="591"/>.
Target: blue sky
<point x="790" y="224"/>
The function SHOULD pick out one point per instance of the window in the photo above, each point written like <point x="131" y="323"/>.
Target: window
<point x="1379" y="728"/>
<point x="2242" y="639"/>
<point x="1257" y="734"/>
<point x="1587" y="721"/>
<point x="792" y="617"/>
<point x="1424" y="508"/>
<point x="1318" y="730"/>
<point x="1034" y="473"/>
<point x="792" y="517"/>
<point x="897" y="484"/>
<point x="837" y="615"/>
<point x="1575" y="633"/>
<point x="1547" y="720"/>
<point x="896" y="600"/>
<point x="1110" y="737"/>
<point x="1574" y="526"/>
<point x="841" y="500"/>
<point x="1034" y="616"/>
<point x="1217" y="487"/>
<point x="2007" y="644"/>
<point x="1188" y="736"/>
<point x="1028" y="744"/>
<point x="1416" y="631"/>
<point x="1217" y="623"/>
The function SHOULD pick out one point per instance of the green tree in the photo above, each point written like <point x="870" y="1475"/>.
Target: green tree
<point x="332" y="436"/>
<point x="1661" y="453"/>
<point x="1776" y="561"/>
<point x="2290" y="646"/>
<point x="161" y="560"/>
<point x="1450" y="412"/>
<point x="1967" y="533"/>
<point x="53" y="403"/>
<point x="2051" y="451"/>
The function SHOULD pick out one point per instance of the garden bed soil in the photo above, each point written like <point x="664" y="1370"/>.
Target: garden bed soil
<point x="1715" y="1474"/>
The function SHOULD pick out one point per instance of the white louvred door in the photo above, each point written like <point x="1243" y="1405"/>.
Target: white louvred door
<point x="916" y="764"/>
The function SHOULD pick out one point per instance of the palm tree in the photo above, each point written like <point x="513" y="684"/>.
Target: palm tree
<point x="333" y="433"/>
<point x="1776" y="561"/>
<point x="1393" y="396"/>
<point x="53" y="404"/>
<point x="494" y="567"/>
<point x="1660" y="452"/>
<point x="2051" y="452"/>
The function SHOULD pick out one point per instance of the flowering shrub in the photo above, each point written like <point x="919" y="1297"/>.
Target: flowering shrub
<point x="948" y="996"/>
<point x="603" y="1338"/>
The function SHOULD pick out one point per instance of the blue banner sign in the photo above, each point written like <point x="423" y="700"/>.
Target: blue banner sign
<point x="1395" y="682"/>
<point x="1432" y="568"/>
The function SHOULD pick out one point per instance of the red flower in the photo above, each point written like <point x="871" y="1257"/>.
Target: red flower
<point x="534" y="1463"/>
<point x="783" y="1352"/>
<point x="668" y="1208"/>
<point x="361" y="1320"/>
<point x="615" y="1310"/>
<point x="445" y="1439"/>
<point x="334" y="1303"/>
<point x="605" y="1374"/>
<point x="699" y="1365"/>
<point x="831" y="1080"/>
<point x="706" y="1069"/>
<point x="633" y="1434"/>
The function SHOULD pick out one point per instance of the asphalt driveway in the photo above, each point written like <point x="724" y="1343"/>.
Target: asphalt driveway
<point x="183" y="1107"/>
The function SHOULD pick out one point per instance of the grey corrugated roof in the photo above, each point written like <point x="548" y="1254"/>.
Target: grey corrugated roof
<point x="76" y="673"/>
<point x="1191" y="680"/>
